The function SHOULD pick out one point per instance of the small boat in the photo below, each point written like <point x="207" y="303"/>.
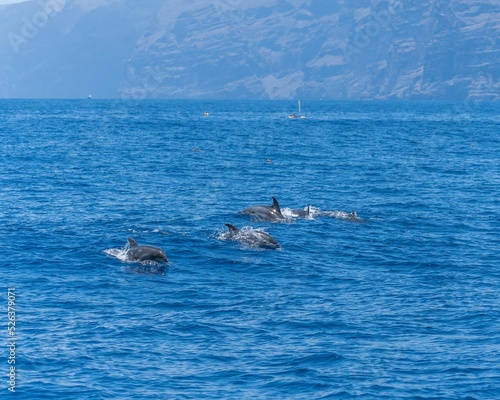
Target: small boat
<point x="295" y="116"/>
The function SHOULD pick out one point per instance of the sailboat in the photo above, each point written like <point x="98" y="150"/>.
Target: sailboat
<point x="295" y="116"/>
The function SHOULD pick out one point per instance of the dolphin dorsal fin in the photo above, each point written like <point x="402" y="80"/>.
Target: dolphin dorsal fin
<point x="232" y="228"/>
<point x="308" y="211"/>
<point x="132" y="242"/>
<point x="276" y="205"/>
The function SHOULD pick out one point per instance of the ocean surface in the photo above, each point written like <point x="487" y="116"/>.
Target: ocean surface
<point x="402" y="302"/>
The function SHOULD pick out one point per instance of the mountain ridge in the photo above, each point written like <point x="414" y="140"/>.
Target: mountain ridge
<point x="255" y="49"/>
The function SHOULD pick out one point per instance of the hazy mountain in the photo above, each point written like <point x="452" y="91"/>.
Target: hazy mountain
<point x="278" y="49"/>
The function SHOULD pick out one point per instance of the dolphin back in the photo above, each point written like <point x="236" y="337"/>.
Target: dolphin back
<point x="232" y="228"/>
<point x="132" y="242"/>
<point x="276" y="207"/>
<point x="264" y="240"/>
<point x="252" y="237"/>
<point x="145" y="253"/>
<point x="265" y="213"/>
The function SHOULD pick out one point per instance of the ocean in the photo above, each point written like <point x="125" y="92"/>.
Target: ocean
<point x="402" y="302"/>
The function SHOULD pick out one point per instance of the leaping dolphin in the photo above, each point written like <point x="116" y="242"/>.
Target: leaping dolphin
<point x="252" y="238"/>
<point x="145" y="253"/>
<point x="265" y="213"/>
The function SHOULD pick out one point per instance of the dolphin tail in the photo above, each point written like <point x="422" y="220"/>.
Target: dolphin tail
<point x="232" y="228"/>
<point x="132" y="242"/>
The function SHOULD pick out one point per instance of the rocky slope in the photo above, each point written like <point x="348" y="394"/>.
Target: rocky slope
<point x="264" y="49"/>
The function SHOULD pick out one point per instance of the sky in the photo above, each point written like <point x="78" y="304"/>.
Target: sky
<point x="11" y="1"/>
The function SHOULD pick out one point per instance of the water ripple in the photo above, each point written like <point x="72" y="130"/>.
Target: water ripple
<point x="400" y="303"/>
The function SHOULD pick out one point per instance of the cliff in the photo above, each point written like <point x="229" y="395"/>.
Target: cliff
<point x="272" y="49"/>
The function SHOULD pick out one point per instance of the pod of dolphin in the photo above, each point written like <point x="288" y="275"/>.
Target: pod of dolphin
<point x="250" y="237"/>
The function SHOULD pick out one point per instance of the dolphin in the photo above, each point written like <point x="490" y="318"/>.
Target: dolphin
<point x="301" y="213"/>
<point x="353" y="216"/>
<point x="265" y="213"/>
<point x="252" y="238"/>
<point x="145" y="253"/>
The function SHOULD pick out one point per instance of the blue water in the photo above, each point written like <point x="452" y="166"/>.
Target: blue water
<point x="404" y="304"/>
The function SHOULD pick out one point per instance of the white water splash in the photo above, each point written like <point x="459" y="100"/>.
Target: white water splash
<point x="343" y="215"/>
<point x="249" y="237"/>
<point x="119" y="253"/>
<point x="311" y="213"/>
<point x="308" y="212"/>
<point x="243" y="232"/>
